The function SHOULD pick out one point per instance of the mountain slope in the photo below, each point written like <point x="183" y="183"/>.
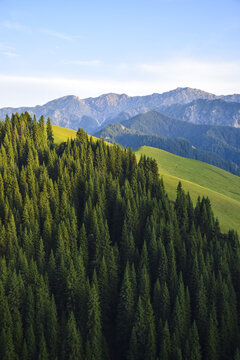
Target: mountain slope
<point x="200" y="179"/>
<point x="95" y="259"/>
<point x="91" y="113"/>
<point x="212" y="144"/>
<point x="62" y="134"/>
<point x="203" y="111"/>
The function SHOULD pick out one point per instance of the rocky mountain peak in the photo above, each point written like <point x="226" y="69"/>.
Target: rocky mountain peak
<point x="91" y="113"/>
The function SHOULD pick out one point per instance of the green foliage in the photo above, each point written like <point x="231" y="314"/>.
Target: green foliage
<point x="97" y="263"/>
<point x="50" y="137"/>
<point x="94" y="326"/>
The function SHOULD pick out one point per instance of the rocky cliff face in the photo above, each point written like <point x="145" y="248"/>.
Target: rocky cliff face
<point x="211" y="112"/>
<point x="92" y="113"/>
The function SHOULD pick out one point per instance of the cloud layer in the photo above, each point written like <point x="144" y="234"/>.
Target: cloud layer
<point x="138" y="79"/>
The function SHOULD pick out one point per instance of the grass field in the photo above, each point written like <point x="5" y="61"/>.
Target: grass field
<point x="62" y="134"/>
<point x="200" y="179"/>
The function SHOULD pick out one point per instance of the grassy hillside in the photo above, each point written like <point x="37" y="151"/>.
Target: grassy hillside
<point x="62" y="134"/>
<point x="222" y="188"/>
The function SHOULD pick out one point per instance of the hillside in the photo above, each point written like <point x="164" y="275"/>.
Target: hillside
<point x="62" y="134"/>
<point x="200" y="179"/>
<point x="97" y="263"/>
<point x="216" y="145"/>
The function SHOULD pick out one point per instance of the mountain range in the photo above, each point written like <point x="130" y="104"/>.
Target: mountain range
<point x="91" y="114"/>
<point x="216" y="145"/>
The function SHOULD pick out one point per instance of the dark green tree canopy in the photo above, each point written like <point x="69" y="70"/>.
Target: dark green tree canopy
<point x="97" y="263"/>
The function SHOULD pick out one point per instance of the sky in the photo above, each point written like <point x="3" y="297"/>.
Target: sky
<point x="50" y="49"/>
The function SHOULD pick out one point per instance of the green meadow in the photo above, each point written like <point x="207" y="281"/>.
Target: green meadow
<point x="62" y="134"/>
<point x="200" y="179"/>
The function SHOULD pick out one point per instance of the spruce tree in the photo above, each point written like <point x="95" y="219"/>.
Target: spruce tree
<point x="50" y="137"/>
<point x="73" y="340"/>
<point x="94" y="326"/>
<point x="126" y="309"/>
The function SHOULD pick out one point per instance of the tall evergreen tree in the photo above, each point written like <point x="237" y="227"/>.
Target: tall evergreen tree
<point x="94" y="326"/>
<point x="74" y="349"/>
<point x="50" y="137"/>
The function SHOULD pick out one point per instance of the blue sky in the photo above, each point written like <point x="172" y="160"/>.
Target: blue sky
<point x="50" y="48"/>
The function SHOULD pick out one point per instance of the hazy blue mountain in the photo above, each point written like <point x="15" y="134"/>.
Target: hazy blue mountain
<point x="233" y="98"/>
<point x="93" y="113"/>
<point x="204" y="111"/>
<point x="209" y="143"/>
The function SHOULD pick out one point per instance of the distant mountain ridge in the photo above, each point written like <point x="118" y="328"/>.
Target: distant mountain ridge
<point x="216" y="145"/>
<point x="204" y="111"/>
<point x="93" y="113"/>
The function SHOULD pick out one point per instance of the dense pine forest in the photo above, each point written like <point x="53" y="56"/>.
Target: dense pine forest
<point x="97" y="263"/>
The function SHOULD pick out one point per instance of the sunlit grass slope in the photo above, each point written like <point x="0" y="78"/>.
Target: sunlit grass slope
<point x="62" y="134"/>
<point x="200" y="179"/>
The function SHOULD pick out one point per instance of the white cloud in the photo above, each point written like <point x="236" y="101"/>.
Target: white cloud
<point x="9" y="54"/>
<point x="123" y="66"/>
<point x="19" y="27"/>
<point x="5" y="47"/>
<point x="219" y="78"/>
<point x="57" y="34"/>
<point x="29" y="91"/>
<point x="14" y="26"/>
<point x="7" y="50"/>
<point x="82" y="62"/>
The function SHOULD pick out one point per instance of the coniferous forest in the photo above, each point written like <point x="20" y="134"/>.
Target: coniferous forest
<point x="97" y="263"/>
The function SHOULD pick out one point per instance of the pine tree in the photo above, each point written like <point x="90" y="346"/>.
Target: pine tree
<point x="162" y="264"/>
<point x="94" y="326"/>
<point x="144" y="326"/>
<point x="193" y="345"/>
<point x="201" y="309"/>
<point x="52" y="329"/>
<point x="50" y="137"/>
<point x="165" y="347"/>
<point x="42" y="353"/>
<point x="7" y="350"/>
<point x="157" y="300"/>
<point x="212" y="351"/>
<point x="104" y="291"/>
<point x="144" y="284"/>
<point x="31" y="342"/>
<point x="125" y="312"/>
<point x="181" y="207"/>
<point x="164" y="305"/>
<point x="73" y="340"/>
